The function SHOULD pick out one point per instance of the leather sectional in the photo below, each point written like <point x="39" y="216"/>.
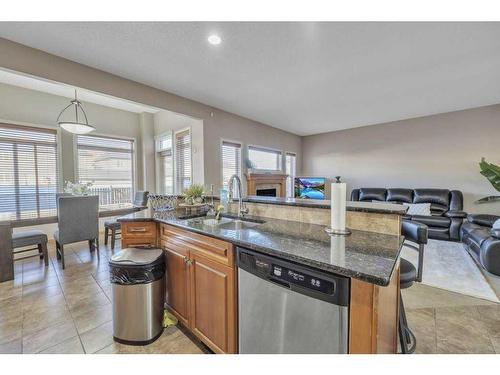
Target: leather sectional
<point x="446" y="207"/>
<point x="483" y="242"/>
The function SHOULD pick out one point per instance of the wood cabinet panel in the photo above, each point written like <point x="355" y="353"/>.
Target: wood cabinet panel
<point x="178" y="289"/>
<point x="213" y="303"/>
<point x="213" y="248"/>
<point x="139" y="234"/>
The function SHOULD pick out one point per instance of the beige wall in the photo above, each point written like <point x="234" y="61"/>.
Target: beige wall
<point x="217" y="124"/>
<point x="440" y="151"/>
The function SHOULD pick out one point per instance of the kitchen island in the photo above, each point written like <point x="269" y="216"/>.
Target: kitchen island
<point x="202" y="278"/>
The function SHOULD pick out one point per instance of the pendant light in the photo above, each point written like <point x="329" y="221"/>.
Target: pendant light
<point x="77" y="126"/>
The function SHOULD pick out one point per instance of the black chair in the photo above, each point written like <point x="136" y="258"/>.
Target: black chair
<point x="415" y="235"/>
<point x="140" y="201"/>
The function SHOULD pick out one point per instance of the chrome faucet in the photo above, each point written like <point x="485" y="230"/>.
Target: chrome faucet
<point x="242" y="209"/>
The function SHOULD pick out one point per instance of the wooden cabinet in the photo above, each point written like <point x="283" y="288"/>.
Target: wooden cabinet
<point x="139" y="233"/>
<point x="201" y="286"/>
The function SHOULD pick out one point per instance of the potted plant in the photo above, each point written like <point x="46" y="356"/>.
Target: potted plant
<point x="193" y="194"/>
<point x="492" y="173"/>
<point x="78" y="188"/>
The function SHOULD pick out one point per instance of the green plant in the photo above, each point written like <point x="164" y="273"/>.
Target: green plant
<point x="195" y="191"/>
<point x="492" y="174"/>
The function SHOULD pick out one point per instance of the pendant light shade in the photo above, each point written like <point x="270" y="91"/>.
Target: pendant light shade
<point x="80" y="125"/>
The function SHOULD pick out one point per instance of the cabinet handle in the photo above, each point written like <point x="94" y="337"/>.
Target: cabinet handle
<point x="186" y="260"/>
<point x="142" y="229"/>
<point x="189" y="262"/>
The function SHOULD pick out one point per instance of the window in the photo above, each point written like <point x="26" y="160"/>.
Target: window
<point x="28" y="172"/>
<point x="166" y="163"/>
<point x="183" y="160"/>
<point x="107" y="163"/>
<point x="231" y="161"/>
<point x="290" y="170"/>
<point x="263" y="158"/>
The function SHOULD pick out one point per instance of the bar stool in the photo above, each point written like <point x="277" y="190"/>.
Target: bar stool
<point x="33" y="237"/>
<point x="417" y="234"/>
<point x="140" y="201"/>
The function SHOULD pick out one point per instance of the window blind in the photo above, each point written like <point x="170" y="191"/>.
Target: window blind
<point x="108" y="164"/>
<point x="183" y="165"/>
<point x="263" y="158"/>
<point x="28" y="172"/>
<point x="231" y="161"/>
<point x="290" y="170"/>
<point x="167" y="172"/>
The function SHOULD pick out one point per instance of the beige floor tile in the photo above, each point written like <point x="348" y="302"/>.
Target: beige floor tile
<point x="12" y="347"/>
<point x="11" y="329"/>
<point x="460" y="330"/>
<point x="423" y="296"/>
<point x="43" y="302"/>
<point x="173" y="341"/>
<point x="37" y="320"/>
<point x="40" y="279"/>
<point x="98" y="338"/>
<point x="490" y="316"/>
<point x="116" y="348"/>
<point x="85" y="301"/>
<point x="495" y="341"/>
<point x="71" y="346"/>
<point x="423" y="325"/>
<point x="35" y="291"/>
<point x="48" y="337"/>
<point x="89" y="318"/>
<point x="10" y="289"/>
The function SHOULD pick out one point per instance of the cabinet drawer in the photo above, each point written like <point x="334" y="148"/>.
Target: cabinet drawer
<point x="139" y="229"/>
<point x="209" y="247"/>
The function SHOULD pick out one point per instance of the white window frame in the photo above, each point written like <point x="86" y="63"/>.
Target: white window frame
<point x="275" y="150"/>
<point x="105" y="135"/>
<point x="292" y="180"/>
<point x="221" y="161"/>
<point x="157" y="139"/>
<point x="174" y="150"/>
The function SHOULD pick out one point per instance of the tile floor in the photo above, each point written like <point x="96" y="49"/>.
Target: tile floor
<point x="48" y="310"/>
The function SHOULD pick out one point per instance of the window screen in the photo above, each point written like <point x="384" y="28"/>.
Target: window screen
<point x="28" y="172"/>
<point x="263" y="158"/>
<point x="231" y="161"/>
<point x="183" y="165"/>
<point x="108" y="164"/>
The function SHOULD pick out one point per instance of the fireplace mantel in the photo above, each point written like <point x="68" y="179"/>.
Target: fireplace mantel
<point x="254" y="180"/>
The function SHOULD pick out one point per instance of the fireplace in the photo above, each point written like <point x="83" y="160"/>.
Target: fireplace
<point x="270" y="192"/>
<point x="266" y="184"/>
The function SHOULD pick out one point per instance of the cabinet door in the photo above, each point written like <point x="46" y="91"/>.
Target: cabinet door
<point x="178" y="282"/>
<point x="213" y="303"/>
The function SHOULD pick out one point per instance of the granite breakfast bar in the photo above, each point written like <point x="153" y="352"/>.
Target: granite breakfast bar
<point x="201" y="258"/>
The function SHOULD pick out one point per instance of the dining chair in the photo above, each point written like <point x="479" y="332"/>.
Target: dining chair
<point x="78" y="220"/>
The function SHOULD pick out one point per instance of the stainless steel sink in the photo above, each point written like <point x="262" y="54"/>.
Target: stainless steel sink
<point x="236" y="224"/>
<point x="228" y="223"/>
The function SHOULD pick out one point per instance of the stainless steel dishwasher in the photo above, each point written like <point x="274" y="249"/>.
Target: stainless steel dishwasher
<point x="289" y="308"/>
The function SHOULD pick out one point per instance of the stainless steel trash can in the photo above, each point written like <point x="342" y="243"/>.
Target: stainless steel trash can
<point x="138" y="283"/>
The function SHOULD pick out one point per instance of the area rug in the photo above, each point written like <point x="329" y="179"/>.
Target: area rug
<point x="447" y="265"/>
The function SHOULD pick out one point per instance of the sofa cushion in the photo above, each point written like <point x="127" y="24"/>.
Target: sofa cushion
<point x="479" y="235"/>
<point x="483" y="220"/>
<point x="438" y="198"/>
<point x="438" y="233"/>
<point x="422" y="209"/>
<point x="28" y="238"/>
<point x="399" y="195"/>
<point x="432" y="221"/>
<point x="368" y="194"/>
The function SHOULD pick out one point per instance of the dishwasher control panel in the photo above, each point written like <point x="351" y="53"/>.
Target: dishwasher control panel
<point x="302" y="279"/>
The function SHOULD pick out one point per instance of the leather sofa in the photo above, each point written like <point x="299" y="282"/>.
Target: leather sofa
<point x="446" y="207"/>
<point x="483" y="242"/>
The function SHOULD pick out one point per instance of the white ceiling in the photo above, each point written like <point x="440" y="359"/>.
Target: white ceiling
<point x="306" y="78"/>
<point x="59" y="89"/>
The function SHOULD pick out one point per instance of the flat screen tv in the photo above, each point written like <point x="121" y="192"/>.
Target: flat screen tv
<point x="310" y="187"/>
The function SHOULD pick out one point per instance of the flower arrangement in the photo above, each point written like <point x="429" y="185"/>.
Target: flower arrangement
<point x="77" y="188"/>
<point x="193" y="194"/>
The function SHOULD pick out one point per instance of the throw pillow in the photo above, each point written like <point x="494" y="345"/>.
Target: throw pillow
<point x="496" y="224"/>
<point x="423" y="209"/>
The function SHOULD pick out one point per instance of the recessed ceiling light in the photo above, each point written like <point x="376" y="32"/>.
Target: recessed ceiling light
<point x="214" y="39"/>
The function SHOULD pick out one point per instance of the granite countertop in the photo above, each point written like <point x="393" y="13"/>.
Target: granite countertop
<point x="367" y="256"/>
<point x="377" y="207"/>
